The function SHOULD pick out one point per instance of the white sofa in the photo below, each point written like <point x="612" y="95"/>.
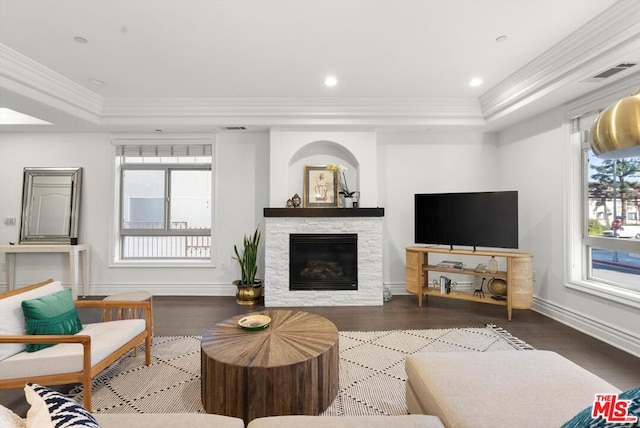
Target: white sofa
<point x="196" y="420"/>
<point x="75" y="358"/>
<point x="500" y="389"/>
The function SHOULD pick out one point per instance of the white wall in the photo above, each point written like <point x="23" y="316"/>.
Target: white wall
<point x="527" y="157"/>
<point x="241" y="192"/>
<point x="531" y="156"/>
<point x="428" y="163"/>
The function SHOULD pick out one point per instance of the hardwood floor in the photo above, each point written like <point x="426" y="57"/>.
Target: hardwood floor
<point x="192" y="315"/>
<point x="182" y="315"/>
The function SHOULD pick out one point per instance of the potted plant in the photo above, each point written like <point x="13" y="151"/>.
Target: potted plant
<point x="249" y="287"/>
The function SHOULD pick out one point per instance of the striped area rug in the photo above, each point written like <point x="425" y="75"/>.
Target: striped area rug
<point x="372" y="377"/>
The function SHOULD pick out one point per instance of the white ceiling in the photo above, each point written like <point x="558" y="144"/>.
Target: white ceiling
<point x="200" y="65"/>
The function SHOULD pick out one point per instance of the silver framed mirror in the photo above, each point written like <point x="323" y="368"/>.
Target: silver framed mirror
<point x="50" y="205"/>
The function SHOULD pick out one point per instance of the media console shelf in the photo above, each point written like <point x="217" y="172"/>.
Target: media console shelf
<point x="518" y="275"/>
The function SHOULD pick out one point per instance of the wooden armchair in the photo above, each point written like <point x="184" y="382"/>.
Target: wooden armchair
<point x="99" y="344"/>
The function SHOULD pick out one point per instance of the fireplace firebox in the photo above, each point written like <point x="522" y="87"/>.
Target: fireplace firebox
<point x="323" y="261"/>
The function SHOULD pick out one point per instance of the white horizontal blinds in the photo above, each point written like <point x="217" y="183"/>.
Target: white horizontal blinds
<point x="164" y="150"/>
<point x="582" y="124"/>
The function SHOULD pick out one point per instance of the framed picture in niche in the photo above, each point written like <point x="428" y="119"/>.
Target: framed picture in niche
<point x="320" y="187"/>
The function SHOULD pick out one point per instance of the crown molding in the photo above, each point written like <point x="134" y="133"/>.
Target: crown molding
<point x="29" y="78"/>
<point x="295" y="111"/>
<point x="566" y="62"/>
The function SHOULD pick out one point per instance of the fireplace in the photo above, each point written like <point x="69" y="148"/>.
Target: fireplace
<point x="323" y="261"/>
<point x="281" y="223"/>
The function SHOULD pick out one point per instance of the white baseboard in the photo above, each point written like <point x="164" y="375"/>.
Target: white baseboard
<point x="610" y="334"/>
<point x="167" y="289"/>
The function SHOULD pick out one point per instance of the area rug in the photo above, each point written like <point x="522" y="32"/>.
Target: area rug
<point x="372" y="376"/>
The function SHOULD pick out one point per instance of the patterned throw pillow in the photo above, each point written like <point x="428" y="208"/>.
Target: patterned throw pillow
<point x="51" y="409"/>
<point x="584" y="419"/>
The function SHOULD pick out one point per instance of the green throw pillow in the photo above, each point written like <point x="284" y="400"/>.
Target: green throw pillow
<point x="50" y="315"/>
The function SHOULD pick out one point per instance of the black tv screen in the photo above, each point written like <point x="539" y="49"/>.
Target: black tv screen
<point x="478" y="219"/>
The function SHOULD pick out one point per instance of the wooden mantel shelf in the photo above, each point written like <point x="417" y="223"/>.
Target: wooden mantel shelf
<point x="324" y="212"/>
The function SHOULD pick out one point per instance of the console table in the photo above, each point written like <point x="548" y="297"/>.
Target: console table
<point x="518" y="275"/>
<point x="79" y="259"/>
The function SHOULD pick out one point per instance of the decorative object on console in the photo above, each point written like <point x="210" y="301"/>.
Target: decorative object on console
<point x="498" y="288"/>
<point x="493" y="265"/>
<point x="481" y="268"/>
<point x="289" y="203"/>
<point x="249" y="289"/>
<point x="478" y="292"/>
<point x="446" y="264"/>
<point x="320" y="187"/>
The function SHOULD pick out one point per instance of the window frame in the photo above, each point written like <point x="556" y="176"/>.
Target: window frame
<point x="577" y="240"/>
<point x="166" y="230"/>
<point x="116" y="260"/>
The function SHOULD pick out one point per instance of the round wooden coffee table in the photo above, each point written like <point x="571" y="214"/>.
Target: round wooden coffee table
<point x="289" y="368"/>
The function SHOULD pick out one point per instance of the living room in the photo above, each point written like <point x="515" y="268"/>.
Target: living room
<point x="513" y="136"/>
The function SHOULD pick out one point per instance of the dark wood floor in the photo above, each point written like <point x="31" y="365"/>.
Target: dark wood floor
<point x="192" y="315"/>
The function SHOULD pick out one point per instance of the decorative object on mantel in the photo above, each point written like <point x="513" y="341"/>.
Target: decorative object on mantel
<point x="350" y="197"/>
<point x="289" y="203"/>
<point x="320" y="187"/>
<point x="249" y="289"/>
<point x="295" y="201"/>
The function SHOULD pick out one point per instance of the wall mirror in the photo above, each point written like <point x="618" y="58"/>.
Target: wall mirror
<point x="50" y="205"/>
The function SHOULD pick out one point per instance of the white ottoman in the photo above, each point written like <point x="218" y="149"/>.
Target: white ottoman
<point x="500" y="389"/>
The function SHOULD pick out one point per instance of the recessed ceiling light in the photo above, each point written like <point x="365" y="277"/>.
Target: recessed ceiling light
<point x="97" y="82"/>
<point x="330" y="81"/>
<point x="501" y="39"/>
<point x="476" y="81"/>
<point x="79" y="39"/>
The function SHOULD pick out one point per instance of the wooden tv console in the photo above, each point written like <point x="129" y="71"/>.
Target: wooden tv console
<point x="518" y="275"/>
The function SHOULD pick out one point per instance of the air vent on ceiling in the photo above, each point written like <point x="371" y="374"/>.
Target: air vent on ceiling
<point x="611" y="71"/>
<point x="235" y="128"/>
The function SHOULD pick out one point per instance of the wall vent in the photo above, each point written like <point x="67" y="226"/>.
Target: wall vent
<point x="611" y="71"/>
<point x="234" y="128"/>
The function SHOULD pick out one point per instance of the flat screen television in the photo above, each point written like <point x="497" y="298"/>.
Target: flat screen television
<point x="477" y="219"/>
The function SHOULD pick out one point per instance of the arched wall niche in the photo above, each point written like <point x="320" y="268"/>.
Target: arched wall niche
<point x="322" y="152"/>
<point x="290" y="151"/>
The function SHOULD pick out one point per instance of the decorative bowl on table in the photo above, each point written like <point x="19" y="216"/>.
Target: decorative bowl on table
<point x="254" y="322"/>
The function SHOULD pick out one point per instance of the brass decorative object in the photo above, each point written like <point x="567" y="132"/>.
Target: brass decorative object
<point x="616" y="131"/>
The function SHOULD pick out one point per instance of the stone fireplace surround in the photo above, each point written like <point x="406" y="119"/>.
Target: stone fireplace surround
<point x="281" y="222"/>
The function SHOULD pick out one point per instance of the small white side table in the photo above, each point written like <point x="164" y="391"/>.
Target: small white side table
<point x="79" y="258"/>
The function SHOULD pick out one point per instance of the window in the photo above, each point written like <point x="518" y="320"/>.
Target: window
<point x="610" y="235"/>
<point x="165" y="207"/>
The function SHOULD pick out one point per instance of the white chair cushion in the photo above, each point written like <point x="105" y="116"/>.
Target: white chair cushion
<point x="8" y="419"/>
<point x="13" y="319"/>
<point x="106" y="338"/>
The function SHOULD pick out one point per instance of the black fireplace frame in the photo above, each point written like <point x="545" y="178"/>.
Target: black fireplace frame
<point x="324" y="284"/>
